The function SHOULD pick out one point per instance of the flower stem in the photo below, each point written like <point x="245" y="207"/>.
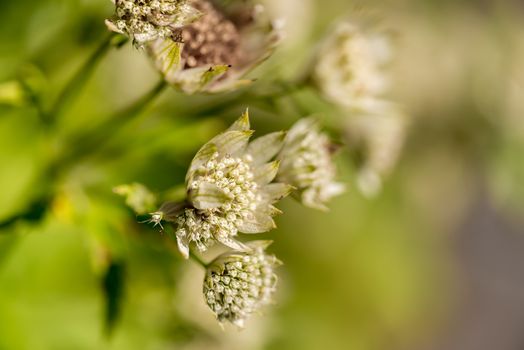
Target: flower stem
<point x="197" y="259"/>
<point x="75" y="85"/>
<point x="93" y="140"/>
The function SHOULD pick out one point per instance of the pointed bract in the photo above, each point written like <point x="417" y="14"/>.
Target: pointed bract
<point x="266" y="147"/>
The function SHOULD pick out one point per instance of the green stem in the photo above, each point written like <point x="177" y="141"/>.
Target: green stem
<point x="75" y="85"/>
<point x="93" y="140"/>
<point x="197" y="259"/>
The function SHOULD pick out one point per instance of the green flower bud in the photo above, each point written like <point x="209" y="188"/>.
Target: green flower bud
<point x="239" y="284"/>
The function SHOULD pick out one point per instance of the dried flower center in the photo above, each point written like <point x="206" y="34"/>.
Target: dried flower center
<point x="213" y="39"/>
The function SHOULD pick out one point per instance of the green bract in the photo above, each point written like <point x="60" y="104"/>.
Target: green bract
<point x="238" y="284"/>
<point x="230" y="189"/>
<point x="306" y="163"/>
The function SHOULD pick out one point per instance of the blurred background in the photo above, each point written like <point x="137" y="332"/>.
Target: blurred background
<point x="434" y="261"/>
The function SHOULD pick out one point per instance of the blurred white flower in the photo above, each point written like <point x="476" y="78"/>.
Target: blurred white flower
<point x="379" y="136"/>
<point x="349" y="70"/>
<point x="306" y="163"/>
<point x="239" y="284"/>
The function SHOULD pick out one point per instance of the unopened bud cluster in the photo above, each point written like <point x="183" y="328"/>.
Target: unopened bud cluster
<point x="238" y="284"/>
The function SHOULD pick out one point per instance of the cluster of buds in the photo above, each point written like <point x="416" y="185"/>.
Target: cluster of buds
<point x="199" y="45"/>
<point x="306" y="163"/>
<point x="239" y="284"/>
<point x="148" y="20"/>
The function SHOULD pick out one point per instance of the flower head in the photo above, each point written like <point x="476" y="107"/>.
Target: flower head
<point x="230" y="189"/>
<point x="212" y="53"/>
<point x="306" y="163"/>
<point x="350" y="69"/>
<point x="238" y="284"/>
<point x="148" y="20"/>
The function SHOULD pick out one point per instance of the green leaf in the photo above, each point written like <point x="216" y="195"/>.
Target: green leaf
<point x="12" y="93"/>
<point x="113" y="286"/>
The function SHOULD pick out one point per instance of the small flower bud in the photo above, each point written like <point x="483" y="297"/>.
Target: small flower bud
<point x="306" y="163"/>
<point x="239" y="284"/>
<point x="138" y="197"/>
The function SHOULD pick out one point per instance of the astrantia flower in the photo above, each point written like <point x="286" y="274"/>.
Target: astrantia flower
<point x="212" y="53"/>
<point x="147" y="20"/>
<point x="306" y="163"/>
<point x="378" y="135"/>
<point x="230" y="189"/>
<point x="350" y="66"/>
<point x="238" y="284"/>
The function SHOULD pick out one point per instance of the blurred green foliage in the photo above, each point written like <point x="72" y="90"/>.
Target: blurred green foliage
<point x="370" y="274"/>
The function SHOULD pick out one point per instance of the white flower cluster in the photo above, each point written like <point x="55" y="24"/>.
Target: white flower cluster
<point x="234" y="177"/>
<point x="147" y="20"/>
<point x="238" y="284"/>
<point x="230" y="189"/>
<point x="306" y="163"/>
